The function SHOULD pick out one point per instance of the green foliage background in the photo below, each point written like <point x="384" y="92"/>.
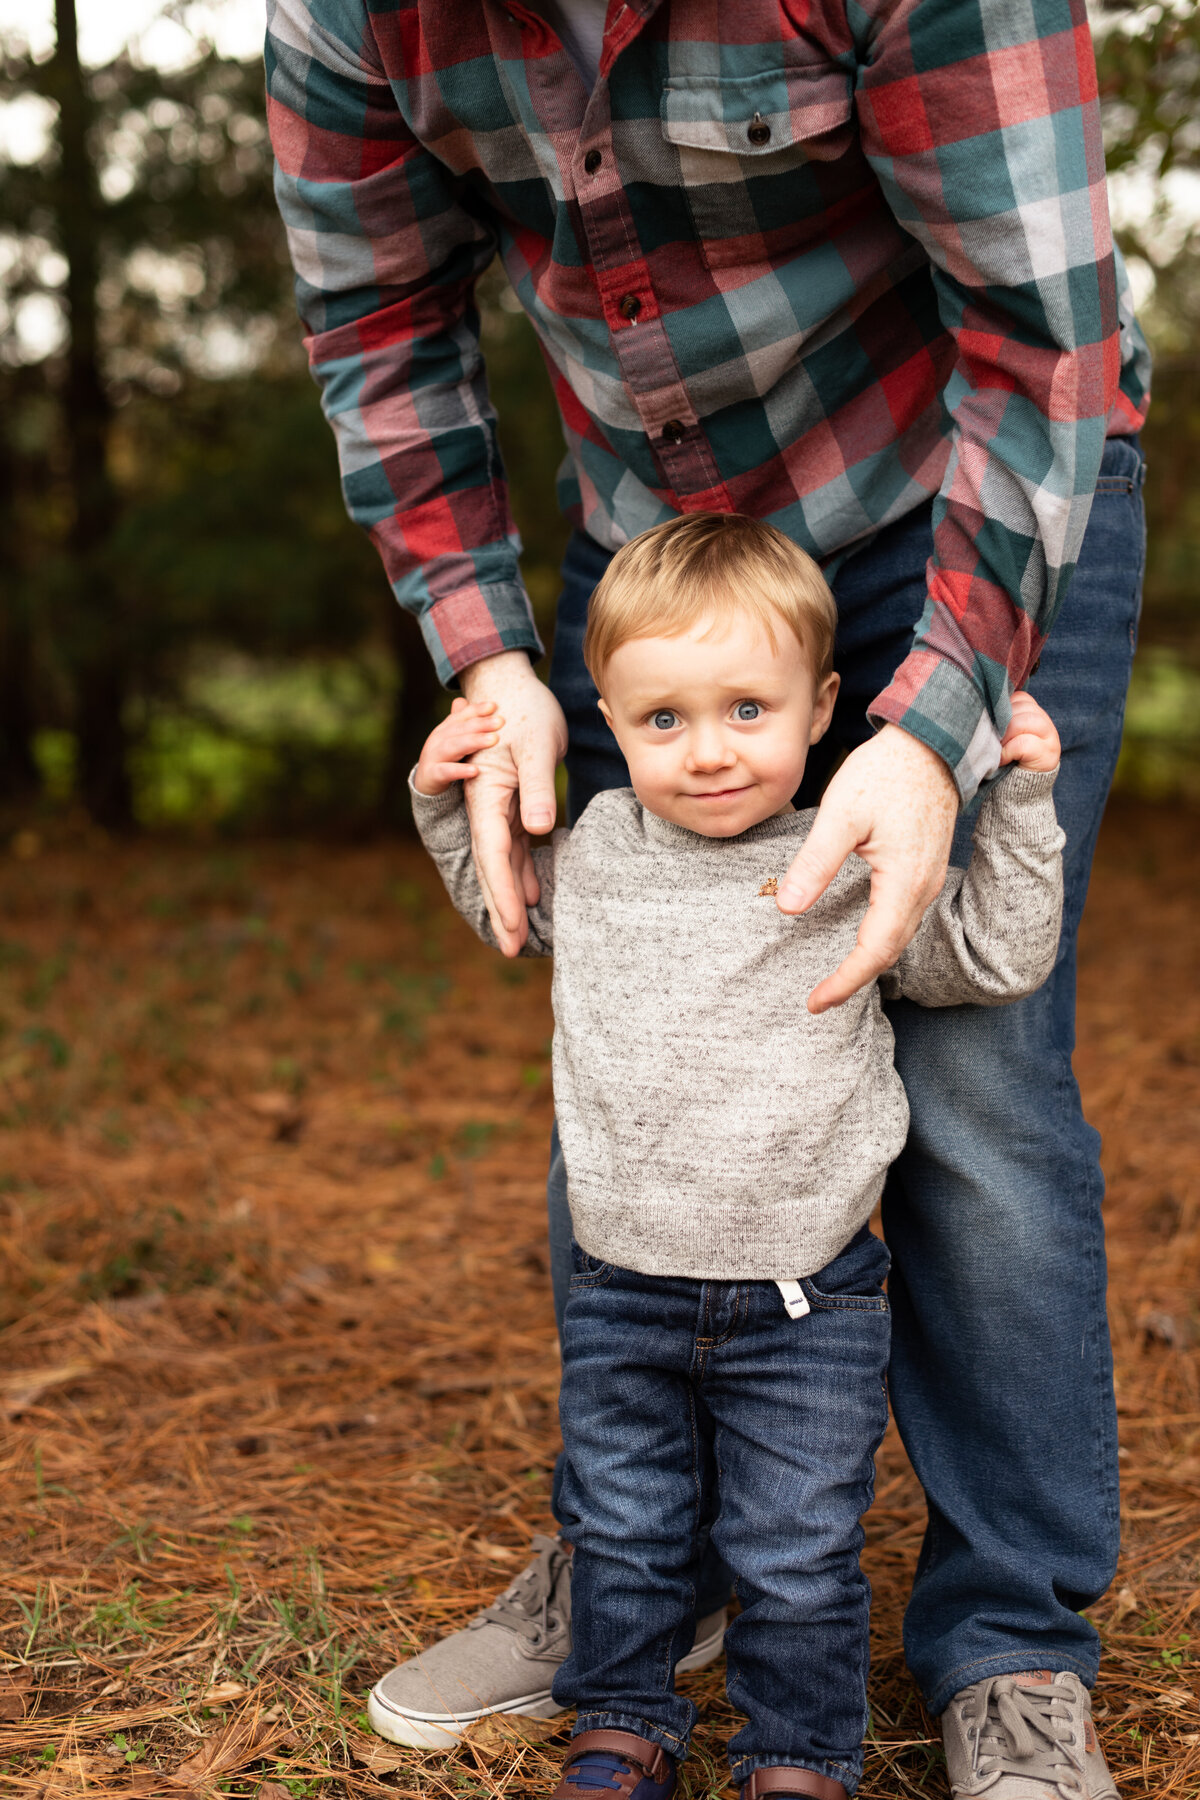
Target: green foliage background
<point x="264" y="682"/>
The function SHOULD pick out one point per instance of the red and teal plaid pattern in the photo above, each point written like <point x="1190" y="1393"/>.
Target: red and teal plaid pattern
<point x="815" y="260"/>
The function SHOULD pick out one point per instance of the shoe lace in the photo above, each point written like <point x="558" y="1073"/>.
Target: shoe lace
<point x="537" y="1603"/>
<point x="1029" y="1731"/>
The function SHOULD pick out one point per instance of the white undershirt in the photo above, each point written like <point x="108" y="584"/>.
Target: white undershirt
<point x="580" y="25"/>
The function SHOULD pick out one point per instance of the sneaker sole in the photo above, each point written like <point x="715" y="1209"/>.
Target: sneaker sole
<point x="441" y="1731"/>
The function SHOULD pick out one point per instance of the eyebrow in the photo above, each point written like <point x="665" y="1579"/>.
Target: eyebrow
<point x="746" y="688"/>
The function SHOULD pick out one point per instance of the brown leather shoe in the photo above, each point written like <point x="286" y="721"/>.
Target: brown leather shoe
<point x="615" y="1765"/>
<point x="792" y="1781"/>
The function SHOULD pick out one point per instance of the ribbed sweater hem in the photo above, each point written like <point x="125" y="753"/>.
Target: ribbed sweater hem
<point x="718" y="1243"/>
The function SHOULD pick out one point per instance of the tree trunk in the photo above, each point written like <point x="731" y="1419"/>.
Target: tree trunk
<point x="19" y="779"/>
<point x="414" y="715"/>
<point x="96" y="651"/>
<point x="18" y="771"/>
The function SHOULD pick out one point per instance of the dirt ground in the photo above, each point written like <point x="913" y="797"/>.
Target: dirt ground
<point x="278" y="1367"/>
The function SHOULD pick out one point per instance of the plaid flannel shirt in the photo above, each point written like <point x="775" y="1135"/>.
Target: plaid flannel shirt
<point x="815" y="260"/>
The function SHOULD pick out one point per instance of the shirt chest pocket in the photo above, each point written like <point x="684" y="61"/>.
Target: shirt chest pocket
<point x="757" y="156"/>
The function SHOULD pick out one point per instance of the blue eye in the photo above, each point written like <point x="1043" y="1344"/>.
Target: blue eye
<point x="664" y="721"/>
<point x="748" y="709"/>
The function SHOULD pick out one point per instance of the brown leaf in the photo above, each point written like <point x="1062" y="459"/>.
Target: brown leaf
<point x="1127" y="1602"/>
<point x="273" y="1790"/>
<point x="14" y="1693"/>
<point x="224" y="1692"/>
<point x="75" y="1773"/>
<point x="499" y="1553"/>
<point x="1160" y="1327"/>
<point x="377" y="1756"/>
<point x="1175" y="1697"/>
<point x="26" y="1386"/>
<point x="240" y="1742"/>
<point x="282" y="1110"/>
<point x="275" y="1104"/>
<point x="504" y="1731"/>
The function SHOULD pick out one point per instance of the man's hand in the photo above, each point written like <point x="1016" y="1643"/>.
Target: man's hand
<point x="894" y="802"/>
<point x="513" y="794"/>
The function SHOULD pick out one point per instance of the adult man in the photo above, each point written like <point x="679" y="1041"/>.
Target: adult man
<point x="847" y="268"/>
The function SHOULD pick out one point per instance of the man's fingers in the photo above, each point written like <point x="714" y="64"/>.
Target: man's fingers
<point x="539" y="802"/>
<point x="492" y="844"/>
<point x="882" y="937"/>
<point x="826" y="848"/>
<point x="859" y="968"/>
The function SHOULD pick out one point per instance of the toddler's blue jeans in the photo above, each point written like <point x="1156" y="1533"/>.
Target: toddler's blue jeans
<point x="1001" y="1372"/>
<point x="697" y="1412"/>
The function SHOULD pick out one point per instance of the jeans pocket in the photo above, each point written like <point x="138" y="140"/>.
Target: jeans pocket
<point x="588" y="1270"/>
<point x="876" y="1302"/>
<point x="853" y="1281"/>
<point x="1117" y="527"/>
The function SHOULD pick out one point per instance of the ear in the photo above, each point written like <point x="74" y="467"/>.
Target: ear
<point x="823" y="701"/>
<point x="602" y="703"/>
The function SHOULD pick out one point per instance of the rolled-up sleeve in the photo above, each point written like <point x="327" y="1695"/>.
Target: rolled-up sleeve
<point x="981" y="120"/>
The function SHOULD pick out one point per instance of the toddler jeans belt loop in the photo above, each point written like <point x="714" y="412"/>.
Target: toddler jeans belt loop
<point x="794" y="1299"/>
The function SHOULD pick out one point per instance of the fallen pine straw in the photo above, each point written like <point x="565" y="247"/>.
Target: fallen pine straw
<point x="279" y="1370"/>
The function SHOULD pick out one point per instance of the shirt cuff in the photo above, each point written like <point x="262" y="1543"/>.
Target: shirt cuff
<point x="441" y="819"/>
<point x="931" y="699"/>
<point x="1020" y="809"/>
<point x="464" y="627"/>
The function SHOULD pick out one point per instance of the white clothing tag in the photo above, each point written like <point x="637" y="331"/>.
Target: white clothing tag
<point x="794" y="1299"/>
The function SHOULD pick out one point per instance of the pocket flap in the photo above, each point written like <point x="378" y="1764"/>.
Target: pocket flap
<point x="754" y="115"/>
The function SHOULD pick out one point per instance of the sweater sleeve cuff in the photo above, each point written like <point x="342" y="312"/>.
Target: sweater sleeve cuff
<point x="441" y="819"/>
<point x="1020" y="809"/>
<point x="464" y="627"/>
<point x="933" y="700"/>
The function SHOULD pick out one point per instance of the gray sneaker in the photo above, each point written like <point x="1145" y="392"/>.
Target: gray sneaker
<point x="504" y="1661"/>
<point x="1025" y="1737"/>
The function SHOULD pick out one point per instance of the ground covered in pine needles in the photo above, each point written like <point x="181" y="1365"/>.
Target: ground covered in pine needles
<point x="278" y="1367"/>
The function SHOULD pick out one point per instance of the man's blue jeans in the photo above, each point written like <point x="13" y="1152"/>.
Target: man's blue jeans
<point x="667" y="1381"/>
<point x="1001" y="1371"/>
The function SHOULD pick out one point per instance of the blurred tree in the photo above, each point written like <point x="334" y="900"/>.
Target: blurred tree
<point x="193" y="490"/>
<point x="1149" y="65"/>
<point x="190" y="487"/>
<point x="1148" y="56"/>
<point x="95" y="643"/>
<point x="124" y="228"/>
<point x="18" y="770"/>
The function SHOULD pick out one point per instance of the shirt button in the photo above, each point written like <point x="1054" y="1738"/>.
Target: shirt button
<point x="592" y="161"/>
<point x="629" y="306"/>
<point x="759" y="132"/>
<point x="674" y="431"/>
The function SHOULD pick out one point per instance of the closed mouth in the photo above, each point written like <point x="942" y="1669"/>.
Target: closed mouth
<point x="718" y="793"/>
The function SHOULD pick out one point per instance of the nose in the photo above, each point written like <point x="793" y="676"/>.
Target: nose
<point x="707" y="751"/>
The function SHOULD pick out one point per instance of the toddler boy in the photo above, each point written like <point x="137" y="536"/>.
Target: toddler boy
<point x="725" y="1343"/>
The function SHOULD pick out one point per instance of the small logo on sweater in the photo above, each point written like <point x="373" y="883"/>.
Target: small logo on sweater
<point x="769" y="888"/>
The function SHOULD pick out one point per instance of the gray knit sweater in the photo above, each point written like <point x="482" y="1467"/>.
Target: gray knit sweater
<point x="711" y="1126"/>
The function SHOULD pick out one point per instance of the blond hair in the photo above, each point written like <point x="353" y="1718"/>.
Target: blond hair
<point x="710" y="565"/>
